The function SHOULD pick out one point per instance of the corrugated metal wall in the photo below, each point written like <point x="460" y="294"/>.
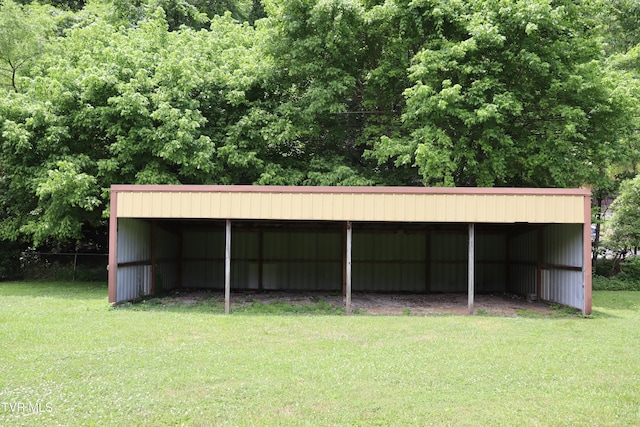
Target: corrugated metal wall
<point x="245" y="253"/>
<point x="491" y="262"/>
<point x="523" y="265"/>
<point x="408" y="258"/>
<point x="302" y="260"/>
<point x="563" y="279"/>
<point x="203" y="258"/>
<point x="167" y="259"/>
<point x="383" y="261"/>
<point x="134" y="259"/>
<point x="562" y="276"/>
<point x="449" y="253"/>
<point x="387" y="261"/>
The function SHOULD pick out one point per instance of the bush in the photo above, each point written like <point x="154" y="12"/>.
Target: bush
<point x="630" y="269"/>
<point x="10" y="266"/>
<point x="601" y="283"/>
<point x="64" y="267"/>
<point x="604" y="266"/>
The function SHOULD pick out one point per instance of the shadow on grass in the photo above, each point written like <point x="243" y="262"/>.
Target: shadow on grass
<point x="59" y="290"/>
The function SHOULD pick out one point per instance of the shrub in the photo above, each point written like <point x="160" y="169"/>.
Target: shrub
<point x="601" y="283"/>
<point x="630" y="269"/>
<point x="10" y="266"/>
<point x="604" y="266"/>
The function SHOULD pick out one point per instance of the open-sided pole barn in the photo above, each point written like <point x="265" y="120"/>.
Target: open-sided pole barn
<point x="530" y="242"/>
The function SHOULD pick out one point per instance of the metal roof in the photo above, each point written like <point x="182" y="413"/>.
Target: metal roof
<point x="383" y="204"/>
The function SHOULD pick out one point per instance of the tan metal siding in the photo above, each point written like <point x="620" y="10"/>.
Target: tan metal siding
<point x="478" y="208"/>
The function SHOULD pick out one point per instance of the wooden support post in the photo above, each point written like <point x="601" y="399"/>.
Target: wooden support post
<point x="471" y="272"/>
<point x="349" y="230"/>
<point x="227" y="268"/>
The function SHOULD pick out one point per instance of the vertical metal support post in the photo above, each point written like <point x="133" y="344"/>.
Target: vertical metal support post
<point x="260" y="258"/>
<point x="180" y="257"/>
<point x="154" y="229"/>
<point x="471" y="290"/>
<point x="427" y="262"/>
<point x="507" y="263"/>
<point x="539" y="256"/>
<point x="349" y="231"/>
<point x="227" y="268"/>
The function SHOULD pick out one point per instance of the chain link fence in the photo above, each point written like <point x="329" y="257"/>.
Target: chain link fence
<point x="81" y="267"/>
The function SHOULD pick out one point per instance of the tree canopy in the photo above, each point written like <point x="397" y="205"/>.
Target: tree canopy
<point x="306" y="92"/>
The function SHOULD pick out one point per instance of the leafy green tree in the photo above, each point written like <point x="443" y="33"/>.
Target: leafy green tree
<point x="124" y="104"/>
<point x="624" y="225"/>
<point x="23" y="36"/>
<point x="507" y="93"/>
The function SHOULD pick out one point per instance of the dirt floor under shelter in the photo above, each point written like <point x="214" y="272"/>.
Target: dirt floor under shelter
<point x="379" y="303"/>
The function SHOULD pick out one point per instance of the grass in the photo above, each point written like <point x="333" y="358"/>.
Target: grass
<point x="83" y="363"/>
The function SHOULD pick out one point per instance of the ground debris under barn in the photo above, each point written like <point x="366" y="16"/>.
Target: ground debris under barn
<point x="380" y="303"/>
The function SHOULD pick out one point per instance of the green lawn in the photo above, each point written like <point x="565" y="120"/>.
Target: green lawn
<point x="66" y="358"/>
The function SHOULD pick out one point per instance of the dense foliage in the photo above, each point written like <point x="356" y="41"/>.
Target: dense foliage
<point x="307" y="92"/>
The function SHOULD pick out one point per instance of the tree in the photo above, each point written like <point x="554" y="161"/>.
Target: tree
<point x="624" y="224"/>
<point x="507" y="93"/>
<point x="23" y="36"/>
<point x="113" y="105"/>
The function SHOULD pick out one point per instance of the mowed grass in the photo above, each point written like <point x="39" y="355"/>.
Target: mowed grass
<point x="69" y="359"/>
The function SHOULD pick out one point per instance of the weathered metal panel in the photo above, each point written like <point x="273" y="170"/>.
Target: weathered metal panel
<point x="386" y="261"/>
<point x="524" y="247"/>
<point x="167" y="249"/>
<point x="244" y="274"/>
<point x="302" y="260"/>
<point x="203" y="244"/>
<point x="388" y="277"/>
<point x="563" y="280"/>
<point x="563" y="245"/>
<point x="353" y="203"/>
<point x="134" y="281"/>
<point x="203" y="259"/>
<point x="490" y="277"/>
<point x="449" y="247"/>
<point x="523" y="263"/>
<point x="448" y="264"/>
<point x="133" y="259"/>
<point x="523" y="279"/>
<point x="245" y="245"/>
<point x="564" y="287"/>
<point x="203" y="274"/>
<point x="448" y="277"/>
<point x="490" y="247"/>
<point x="134" y="240"/>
